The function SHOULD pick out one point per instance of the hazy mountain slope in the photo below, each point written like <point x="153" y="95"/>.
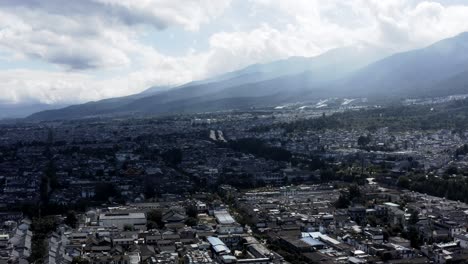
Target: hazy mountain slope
<point x="348" y="72"/>
<point x="410" y="73"/>
<point x="199" y="104"/>
<point x="260" y="80"/>
<point x="437" y="70"/>
<point x="154" y="90"/>
<point x="9" y="110"/>
<point x="330" y="65"/>
<point x="138" y="102"/>
<point x="308" y="73"/>
<point x="454" y="85"/>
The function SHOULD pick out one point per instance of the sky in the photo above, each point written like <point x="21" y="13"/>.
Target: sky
<point x="65" y="52"/>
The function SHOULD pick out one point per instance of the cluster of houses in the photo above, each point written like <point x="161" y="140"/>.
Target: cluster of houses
<point x="124" y="235"/>
<point x="268" y="225"/>
<point x="156" y="166"/>
<point x="16" y="241"/>
<point x="304" y="221"/>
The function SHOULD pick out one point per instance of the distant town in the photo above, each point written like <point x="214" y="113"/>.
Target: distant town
<point x="263" y="186"/>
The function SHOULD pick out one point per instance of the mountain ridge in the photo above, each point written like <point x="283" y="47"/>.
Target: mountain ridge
<point x="345" y="72"/>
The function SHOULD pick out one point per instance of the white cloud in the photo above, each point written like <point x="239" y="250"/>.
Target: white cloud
<point x="90" y="34"/>
<point x="43" y="86"/>
<point x="316" y="26"/>
<point x="96" y="36"/>
<point x="34" y="86"/>
<point x="98" y="48"/>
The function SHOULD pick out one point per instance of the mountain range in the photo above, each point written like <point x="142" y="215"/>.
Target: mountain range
<point x="360" y="71"/>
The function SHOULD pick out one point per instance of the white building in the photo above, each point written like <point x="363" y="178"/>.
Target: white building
<point x="226" y="223"/>
<point x="120" y="220"/>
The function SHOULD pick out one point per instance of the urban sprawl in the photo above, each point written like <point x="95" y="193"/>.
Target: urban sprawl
<point x="231" y="187"/>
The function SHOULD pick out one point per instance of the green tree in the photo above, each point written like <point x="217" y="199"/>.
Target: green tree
<point x="354" y="192"/>
<point x="41" y="227"/>
<point x="343" y="201"/>
<point x="79" y="260"/>
<point x="191" y="211"/>
<point x="413" y="236"/>
<point x="191" y="221"/>
<point x="327" y="175"/>
<point x="363" y="141"/>
<point x="128" y="227"/>
<point x="452" y="170"/>
<point x="414" y="218"/>
<point x="105" y="190"/>
<point x="403" y="182"/>
<point x="154" y="218"/>
<point x="71" y="219"/>
<point x="173" y="156"/>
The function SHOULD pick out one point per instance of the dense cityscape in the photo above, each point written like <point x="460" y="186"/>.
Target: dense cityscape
<point x="233" y="187"/>
<point x="233" y="131"/>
